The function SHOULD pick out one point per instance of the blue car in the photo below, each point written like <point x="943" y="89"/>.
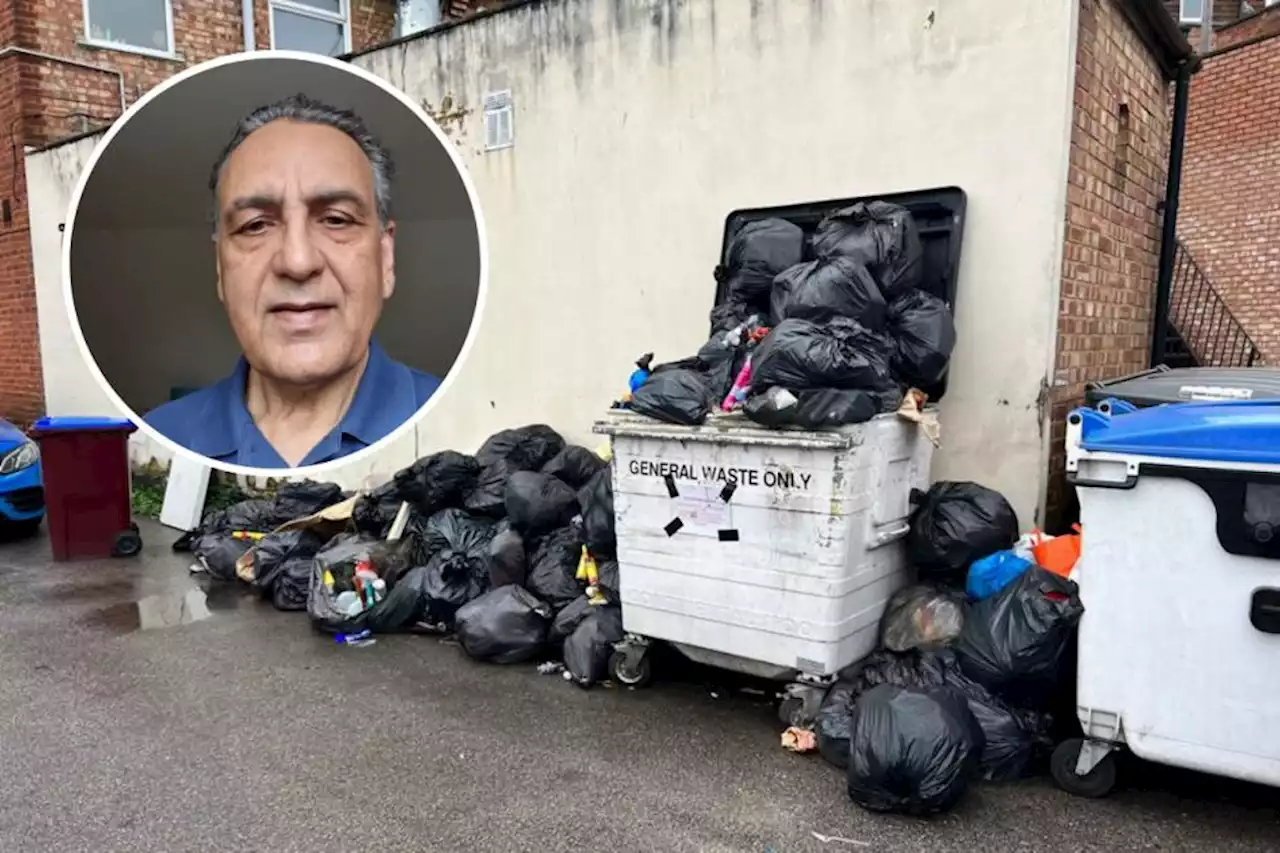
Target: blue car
<point x="21" y="486"/>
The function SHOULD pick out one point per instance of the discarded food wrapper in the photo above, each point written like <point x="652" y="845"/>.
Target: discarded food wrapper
<point x="799" y="740"/>
<point x="912" y="409"/>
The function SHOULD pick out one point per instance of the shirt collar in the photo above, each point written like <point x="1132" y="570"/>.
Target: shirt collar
<point x="384" y="399"/>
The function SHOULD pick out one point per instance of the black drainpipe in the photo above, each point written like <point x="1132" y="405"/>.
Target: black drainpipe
<point x="1169" y="232"/>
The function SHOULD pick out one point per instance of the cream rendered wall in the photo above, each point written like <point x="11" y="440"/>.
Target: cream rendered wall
<point x="640" y="125"/>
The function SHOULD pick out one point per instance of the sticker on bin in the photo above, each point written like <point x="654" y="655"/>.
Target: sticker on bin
<point x="702" y="509"/>
<point x="1214" y="392"/>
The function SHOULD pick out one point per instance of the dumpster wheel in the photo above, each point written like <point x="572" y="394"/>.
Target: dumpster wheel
<point x="1095" y="784"/>
<point x="630" y="674"/>
<point x="128" y="544"/>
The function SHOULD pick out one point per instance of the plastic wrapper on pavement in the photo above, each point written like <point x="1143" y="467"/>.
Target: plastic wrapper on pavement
<point x="956" y="523"/>
<point x="843" y="353"/>
<point x="819" y="408"/>
<point x="526" y="448"/>
<point x="881" y="236"/>
<point x="554" y="565"/>
<point x="826" y="288"/>
<point x="588" y="649"/>
<point x="924" y="335"/>
<point x="596" y="502"/>
<point x="282" y="567"/>
<point x="505" y="625"/>
<point x="1014" y="642"/>
<point x="757" y="253"/>
<point x="508" y="562"/>
<point x="574" y="466"/>
<point x="990" y="575"/>
<point x="538" y="503"/>
<point x="921" y="617"/>
<point x="912" y="751"/>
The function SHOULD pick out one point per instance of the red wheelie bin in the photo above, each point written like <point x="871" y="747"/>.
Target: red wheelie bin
<point x="87" y="488"/>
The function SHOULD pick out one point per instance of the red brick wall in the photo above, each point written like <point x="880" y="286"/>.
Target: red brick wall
<point x="43" y="100"/>
<point x="1229" y="210"/>
<point x="1118" y="153"/>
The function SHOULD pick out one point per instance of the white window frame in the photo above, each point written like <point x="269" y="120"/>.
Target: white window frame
<point x="1184" y="18"/>
<point x="171" y="53"/>
<point x="343" y="18"/>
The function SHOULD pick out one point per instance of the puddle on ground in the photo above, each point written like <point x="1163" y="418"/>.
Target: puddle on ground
<point x="171" y="609"/>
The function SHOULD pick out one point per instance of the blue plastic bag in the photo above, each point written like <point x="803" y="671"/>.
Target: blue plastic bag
<point x="991" y="574"/>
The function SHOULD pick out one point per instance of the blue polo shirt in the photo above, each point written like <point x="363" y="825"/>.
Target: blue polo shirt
<point x="215" y="422"/>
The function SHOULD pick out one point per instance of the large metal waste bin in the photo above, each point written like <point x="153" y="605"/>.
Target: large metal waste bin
<point x="767" y="552"/>
<point x="87" y="487"/>
<point x="1180" y="579"/>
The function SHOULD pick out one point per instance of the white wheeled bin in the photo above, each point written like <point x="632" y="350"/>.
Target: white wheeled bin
<point x="1180" y="577"/>
<point x="761" y="551"/>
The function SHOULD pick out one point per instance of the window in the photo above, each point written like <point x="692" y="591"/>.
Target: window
<point x="315" y="26"/>
<point x="1190" y="11"/>
<point x="141" y="26"/>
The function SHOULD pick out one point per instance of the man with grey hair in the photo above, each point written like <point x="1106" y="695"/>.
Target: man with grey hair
<point x="305" y="254"/>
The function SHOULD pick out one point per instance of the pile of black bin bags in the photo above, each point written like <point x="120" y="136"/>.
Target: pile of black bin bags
<point x="512" y="549"/>
<point x="834" y="325"/>
<point x="959" y="690"/>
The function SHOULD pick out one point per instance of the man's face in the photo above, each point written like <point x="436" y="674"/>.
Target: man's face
<point x="303" y="262"/>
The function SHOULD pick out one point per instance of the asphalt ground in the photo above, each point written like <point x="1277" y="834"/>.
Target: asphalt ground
<point x="145" y="712"/>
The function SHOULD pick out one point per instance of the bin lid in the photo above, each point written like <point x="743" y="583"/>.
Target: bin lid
<point x="1183" y="384"/>
<point x="81" y="423"/>
<point x="1240" y="432"/>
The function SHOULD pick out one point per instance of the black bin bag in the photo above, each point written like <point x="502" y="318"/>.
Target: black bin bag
<point x="596" y="502"/>
<point x="538" y="502"/>
<point x="924" y="334"/>
<point x="553" y="568"/>
<point x="825" y="288"/>
<point x="800" y="355"/>
<point x="438" y="481"/>
<point x="508" y="562"/>
<point x="679" y="395"/>
<point x="574" y="466"/>
<point x="912" y="751"/>
<point x="956" y="523"/>
<point x="818" y="408"/>
<point x="282" y="567"/>
<point x="1014" y="642"/>
<point x="218" y="553"/>
<point x="589" y="647"/>
<point x="303" y="498"/>
<point x="759" y="251"/>
<point x="526" y="448"/>
<point x="881" y="236"/>
<point x="505" y="625"/>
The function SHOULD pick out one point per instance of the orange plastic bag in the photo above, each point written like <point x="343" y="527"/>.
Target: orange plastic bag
<point x="1058" y="554"/>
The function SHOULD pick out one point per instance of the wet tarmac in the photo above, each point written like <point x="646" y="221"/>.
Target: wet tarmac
<point x="146" y="710"/>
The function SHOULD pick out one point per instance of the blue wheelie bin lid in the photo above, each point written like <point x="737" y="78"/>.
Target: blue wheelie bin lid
<point x="1240" y="432"/>
<point x="81" y="423"/>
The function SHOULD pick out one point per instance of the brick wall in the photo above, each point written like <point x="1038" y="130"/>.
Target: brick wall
<point x="43" y="100"/>
<point x="1229" y="210"/>
<point x="1118" y="153"/>
<point x="1265" y="22"/>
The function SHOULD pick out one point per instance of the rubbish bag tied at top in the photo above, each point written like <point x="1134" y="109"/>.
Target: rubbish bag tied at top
<point x="825" y="288"/>
<point x="505" y="625"/>
<point x="538" y="503"/>
<point x="574" y="466"/>
<point x="759" y="251"/>
<point x="881" y="236"/>
<point x="842" y="353"/>
<point x="955" y="523"/>
<point x="924" y="334"/>
<point x="526" y="448"/>
<point x="912" y="751"/>
<point x="1013" y="643"/>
